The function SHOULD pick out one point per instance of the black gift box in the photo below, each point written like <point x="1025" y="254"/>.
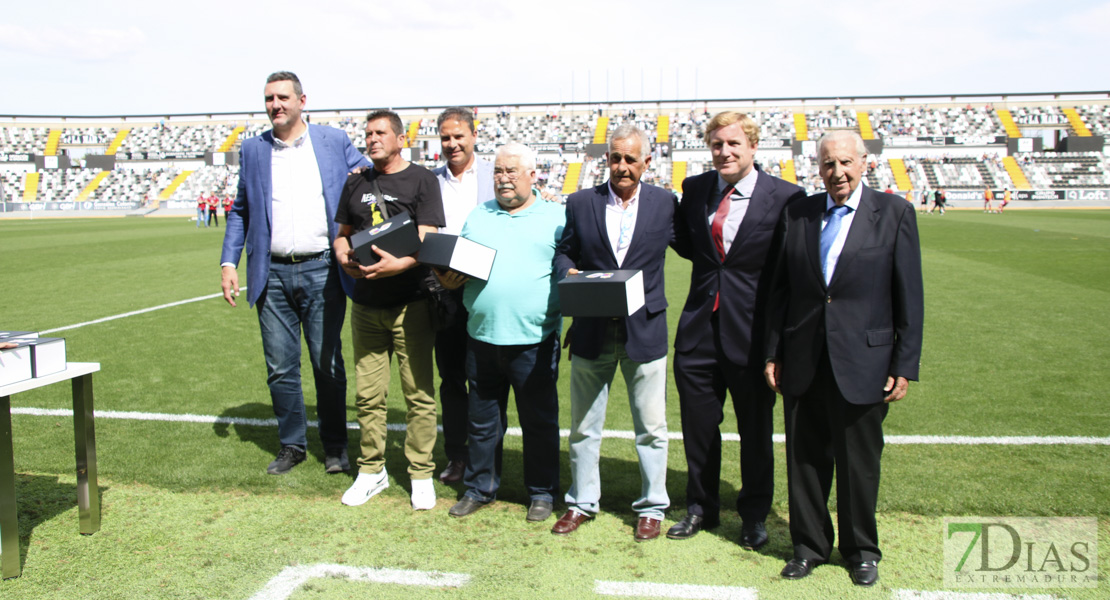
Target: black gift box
<point x="448" y="251"/>
<point x="602" y="293"/>
<point x="397" y="236"/>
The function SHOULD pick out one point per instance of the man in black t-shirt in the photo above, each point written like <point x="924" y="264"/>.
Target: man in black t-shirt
<point x="390" y="314"/>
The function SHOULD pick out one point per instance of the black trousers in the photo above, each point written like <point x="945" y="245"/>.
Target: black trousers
<point x="825" y="432"/>
<point x="703" y="376"/>
<point x="451" y="362"/>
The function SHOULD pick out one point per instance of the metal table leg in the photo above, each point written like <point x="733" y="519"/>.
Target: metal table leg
<point x="88" y="493"/>
<point x="9" y="524"/>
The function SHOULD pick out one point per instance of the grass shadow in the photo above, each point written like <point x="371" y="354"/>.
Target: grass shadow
<point x="40" y="498"/>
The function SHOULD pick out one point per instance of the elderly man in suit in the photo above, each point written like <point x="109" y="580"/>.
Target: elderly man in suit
<point x="843" y="338"/>
<point x="620" y="224"/>
<point x="290" y="180"/>
<point x="465" y="181"/>
<point x="724" y="226"/>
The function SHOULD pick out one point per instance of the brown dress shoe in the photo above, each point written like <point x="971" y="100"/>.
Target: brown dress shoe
<point x="453" y="473"/>
<point x="647" y="528"/>
<point x="569" y="522"/>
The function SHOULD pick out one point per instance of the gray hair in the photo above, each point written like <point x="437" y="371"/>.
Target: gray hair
<point x="840" y="135"/>
<point x="526" y="155"/>
<point x="287" y="76"/>
<point x="629" y="131"/>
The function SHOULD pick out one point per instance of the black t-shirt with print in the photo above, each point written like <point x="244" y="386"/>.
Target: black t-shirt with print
<point x="414" y="190"/>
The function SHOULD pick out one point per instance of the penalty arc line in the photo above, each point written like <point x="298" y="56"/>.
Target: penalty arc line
<point x="291" y="578"/>
<point x="959" y="440"/>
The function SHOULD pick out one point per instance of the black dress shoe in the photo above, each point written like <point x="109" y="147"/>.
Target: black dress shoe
<point x="539" y="510"/>
<point x="689" y="526"/>
<point x="798" y="568"/>
<point x="865" y="573"/>
<point x="753" y="536"/>
<point x="465" y="507"/>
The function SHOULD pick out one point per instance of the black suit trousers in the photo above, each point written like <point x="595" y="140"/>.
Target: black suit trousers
<point x="825" y="432"/>
<point x="703" y="376"/>
<point x="453" y="393"/>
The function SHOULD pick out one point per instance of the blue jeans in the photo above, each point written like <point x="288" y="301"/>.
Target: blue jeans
<point x="305" y="295"/>
<point x="531" y="371"/>
<point x="647" y="398"/>
<point x="202" y="216"/>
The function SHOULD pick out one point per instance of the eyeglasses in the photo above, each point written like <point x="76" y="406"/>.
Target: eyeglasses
<point x="510" y="174"/>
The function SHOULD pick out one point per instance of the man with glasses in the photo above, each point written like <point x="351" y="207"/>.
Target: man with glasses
<point x="514" y="327"/>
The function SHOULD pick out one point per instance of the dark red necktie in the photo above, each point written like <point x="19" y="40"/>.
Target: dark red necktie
<point x="718" y="232"/>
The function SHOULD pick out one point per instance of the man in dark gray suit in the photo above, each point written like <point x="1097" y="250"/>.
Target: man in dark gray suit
<point x="724" y="226"/>
<point x="843" y="338"/>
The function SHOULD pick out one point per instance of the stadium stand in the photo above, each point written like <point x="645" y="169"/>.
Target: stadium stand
<point x="949" y="144"/>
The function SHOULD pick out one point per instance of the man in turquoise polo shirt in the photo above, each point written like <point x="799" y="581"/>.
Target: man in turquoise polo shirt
<point x="513" y="328"/>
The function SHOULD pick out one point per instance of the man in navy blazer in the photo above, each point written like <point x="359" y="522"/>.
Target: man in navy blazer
<point x="290" y="179"/>
<point x="465" y="181"/>
<point x="621" y="224"/>
<point x="724" y="226"/>
<point x="843" y="339"/>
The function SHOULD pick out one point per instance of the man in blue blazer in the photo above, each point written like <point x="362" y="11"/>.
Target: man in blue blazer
<point x="465" y="181"/>
<point x="844" y="335"/>
<point x="621" y="224"/>
<point x="724" y="226"/>
<point x="290" y="179"/>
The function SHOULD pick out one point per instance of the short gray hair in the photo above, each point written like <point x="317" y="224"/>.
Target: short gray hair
<point x="836" y="136"/>
<point x="287" y="76"/>
<point x="629" y="131"/>
<point x="526" y="155"/>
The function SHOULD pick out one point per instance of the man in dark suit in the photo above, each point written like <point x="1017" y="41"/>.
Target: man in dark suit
<point x="724" y="226"/>
<point x="290" y="180"/>
<point x="465" y="181"/>
<point x="621" y="224"/>
<point x="843" y="338"/>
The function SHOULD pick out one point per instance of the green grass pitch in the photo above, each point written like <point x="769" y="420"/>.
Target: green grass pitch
<point x="1017" y="343"/>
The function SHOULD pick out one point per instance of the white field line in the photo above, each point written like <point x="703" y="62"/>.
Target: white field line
<point x="946" y="595"/>
<point x="608" y="433"/>
<point x="673" y="590"/>
<point x="285" y="583"/>
<point x="135" y="312"/>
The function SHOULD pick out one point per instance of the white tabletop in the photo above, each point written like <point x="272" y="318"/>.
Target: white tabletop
<point x="72" y="370"/>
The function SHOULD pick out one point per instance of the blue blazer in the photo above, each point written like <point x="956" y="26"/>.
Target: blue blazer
<point x="585" y="246"/>
<point x="336" y="156"/>
<point x="741" y="277"/>
<point x="484" y="170"/>
<point x="869" y="316"/>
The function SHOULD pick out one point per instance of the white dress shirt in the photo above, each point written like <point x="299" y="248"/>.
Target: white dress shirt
<point x="620" y="222"/>
<point x="460" y="196"/>
<point x="845" y="225"/>
<point x="738" y="205"/>
<point x="300" y="217"/>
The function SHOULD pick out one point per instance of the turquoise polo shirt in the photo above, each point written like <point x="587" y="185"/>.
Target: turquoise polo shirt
<point x="520" y="303"/>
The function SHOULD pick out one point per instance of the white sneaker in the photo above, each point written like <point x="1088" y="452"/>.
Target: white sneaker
<point x="423" y="494"/>
<point x="365" y="487"/>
